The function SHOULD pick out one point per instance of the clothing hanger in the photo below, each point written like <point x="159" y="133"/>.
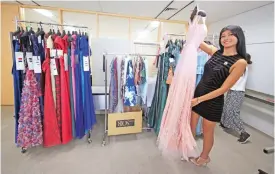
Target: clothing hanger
<point x="58" y="32"/>
<point x="26" y="33"/>
<point x="53" y="30"/>
<point x="16" y="32"/>
<point x="50" y="32"/>
<point x="31" y="31"/>
<point x="63" y="33"/>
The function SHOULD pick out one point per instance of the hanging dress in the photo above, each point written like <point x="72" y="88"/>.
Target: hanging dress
<point x="79" y="115"/>
<point x="175" y="136"/>
<point x="50" y="125"/>
<point x="18" y="78"/>
<point x="37" y="51"/>
<point x="130" y="88"/>
<point x="66" y="120"/>
<point x="70" y="83"/>
<point x="30" y="124"/>
<point x="87" y="98"/>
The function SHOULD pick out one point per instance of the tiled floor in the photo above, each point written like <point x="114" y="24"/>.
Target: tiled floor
<point x="131" y="154"/>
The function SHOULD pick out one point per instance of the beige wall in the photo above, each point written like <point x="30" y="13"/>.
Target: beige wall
<point x="8" y="13"/>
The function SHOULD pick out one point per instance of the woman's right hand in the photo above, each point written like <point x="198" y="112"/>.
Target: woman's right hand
<point x="209" y="49"/>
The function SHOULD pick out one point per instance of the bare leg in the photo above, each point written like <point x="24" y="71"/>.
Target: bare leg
<point x="208" y="137"/>
<point x="194" y="122"/>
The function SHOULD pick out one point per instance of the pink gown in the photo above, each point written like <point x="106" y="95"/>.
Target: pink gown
<point x="175" y="136"/>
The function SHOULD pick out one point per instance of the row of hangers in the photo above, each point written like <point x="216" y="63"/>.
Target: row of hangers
<point x="29" y="31"/>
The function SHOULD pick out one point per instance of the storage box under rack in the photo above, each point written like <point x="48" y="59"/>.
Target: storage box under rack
<point x="125" y="123"/>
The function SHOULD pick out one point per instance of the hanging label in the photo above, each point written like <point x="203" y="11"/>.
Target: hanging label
<point x="53" y="52"/>
<point x="86" y="63"/>
<point x="36" y="64"/>
<point x="19" y="57"/>
<point x="39" y="39"/>
<point x="29" y="60"/>
<point x="59" y="53"/>
<point x="53" y="67"/>
<point x="66" y="62"/>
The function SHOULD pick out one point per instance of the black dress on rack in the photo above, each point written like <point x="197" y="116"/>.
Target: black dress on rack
<point x="216" y="70"/>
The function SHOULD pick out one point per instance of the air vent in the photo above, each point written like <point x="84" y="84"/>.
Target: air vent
<point x="170" y="9"/>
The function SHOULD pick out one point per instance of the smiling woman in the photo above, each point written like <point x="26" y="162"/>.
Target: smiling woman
<point x="221" y="72"/>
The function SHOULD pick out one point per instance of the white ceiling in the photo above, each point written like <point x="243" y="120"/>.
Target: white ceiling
<point x="216" y="10"/>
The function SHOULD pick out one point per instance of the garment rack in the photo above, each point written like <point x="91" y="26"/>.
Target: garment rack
<point x="147" y="43"/>
<point x="24" y="150"/>
<point x="173" y="34"/>
<point x="43" y="23"/>
<point x="105" y="80"/>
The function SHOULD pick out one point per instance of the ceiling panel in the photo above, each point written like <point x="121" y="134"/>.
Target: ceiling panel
<point x="176" y="4"/>
<point x="136" y="8"/>
<point x="217" y="10"/>
<point x="77" y="5"/>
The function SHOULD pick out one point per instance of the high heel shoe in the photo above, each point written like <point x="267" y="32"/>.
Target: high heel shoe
<point x="200" y="161"/>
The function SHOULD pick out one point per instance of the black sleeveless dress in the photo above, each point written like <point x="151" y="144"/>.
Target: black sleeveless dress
<point x="216" y="70"/>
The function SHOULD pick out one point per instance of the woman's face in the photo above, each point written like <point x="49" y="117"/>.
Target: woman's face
<point x="228" y="39"/>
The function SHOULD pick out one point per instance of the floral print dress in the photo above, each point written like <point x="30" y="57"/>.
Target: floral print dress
<point x="30" y="123"/>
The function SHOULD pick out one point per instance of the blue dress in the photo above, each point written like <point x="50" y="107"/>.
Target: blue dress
<point x="130" y="88"/>
<point x="87" y="98"/>
<point x="79" y="122"/>
<point x="18" y="78"/>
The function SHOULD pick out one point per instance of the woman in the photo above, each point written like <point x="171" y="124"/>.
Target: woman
<point x="221" y="72"/>
<point x="231" y="112"/>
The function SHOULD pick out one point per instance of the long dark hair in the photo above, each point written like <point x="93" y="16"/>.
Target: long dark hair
<point x="248" y="58"/>
<point x="239" y="34"/>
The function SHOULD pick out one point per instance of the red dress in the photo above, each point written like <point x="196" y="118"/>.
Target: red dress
<point x="51" y="130"/>
<point x="66" y="119"/>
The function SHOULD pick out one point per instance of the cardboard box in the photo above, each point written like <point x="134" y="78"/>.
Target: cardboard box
<point x="124" y="123"/>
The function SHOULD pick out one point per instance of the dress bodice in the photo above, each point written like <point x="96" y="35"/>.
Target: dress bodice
<point x="196" y="31"/>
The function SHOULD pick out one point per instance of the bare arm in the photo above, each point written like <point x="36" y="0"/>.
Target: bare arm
<point x="209" y="49"/>
<point x="236" y="72"/>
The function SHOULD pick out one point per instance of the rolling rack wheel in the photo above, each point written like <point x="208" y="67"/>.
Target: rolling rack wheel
<point x="23" y="150"/>
<point x="89" y="137"/>
<point x="103" y="143"/>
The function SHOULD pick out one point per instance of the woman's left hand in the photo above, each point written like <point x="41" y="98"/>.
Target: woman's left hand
<point x="194" y="102"/>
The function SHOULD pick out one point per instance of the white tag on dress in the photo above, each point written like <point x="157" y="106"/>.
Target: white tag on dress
<point x="66" y="62"/>
<point x="36" y="64"/>
<point x="39" y="39"/>
<point x="86" y="63"/>
<point x="59" y="53"/>
<point x="29" y="60"/>
<point x="53" y="52"/>
<point x="19" y="58"/>
<point x="53" y="67"/>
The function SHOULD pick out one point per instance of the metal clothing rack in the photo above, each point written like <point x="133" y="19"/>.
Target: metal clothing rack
<point x="23" y="149"/>
<point x="106" y="92"/>
<point x="43" y="23"/>
<point x="173" y="34"/>
<point x="147" y="43"/>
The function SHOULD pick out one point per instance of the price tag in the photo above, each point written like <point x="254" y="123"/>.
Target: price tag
<point x="39" y="39"/>
<point x="29" y="60"/>
<point x="59" y="53"/>
<point x="86" y="63"/>
<point x="19" y="58"/>
<point x="53" y="67"/>
<point x="36" y="64"/>
<point x="53" y="52"/>
<point x="66" y="62"/>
